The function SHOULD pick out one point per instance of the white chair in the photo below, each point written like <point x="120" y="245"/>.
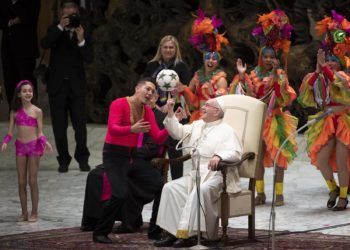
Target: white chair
<point x="246" y="115"/>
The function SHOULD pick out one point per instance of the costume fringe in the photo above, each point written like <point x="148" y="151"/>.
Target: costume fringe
<point x="277" y="128"/>
<point x="322" y="131"/>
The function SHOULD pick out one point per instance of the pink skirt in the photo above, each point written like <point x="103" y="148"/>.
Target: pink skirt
<point x="31" y="148"/>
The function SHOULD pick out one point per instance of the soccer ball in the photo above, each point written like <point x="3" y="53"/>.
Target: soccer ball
<point x="167" y="79"/>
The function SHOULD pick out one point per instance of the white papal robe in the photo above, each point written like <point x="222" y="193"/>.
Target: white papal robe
<point x="178" y="206"/>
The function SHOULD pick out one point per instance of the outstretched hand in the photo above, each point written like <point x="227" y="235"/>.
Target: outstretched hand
<point x="240" y="67"/>
<point x="140" y="126"/>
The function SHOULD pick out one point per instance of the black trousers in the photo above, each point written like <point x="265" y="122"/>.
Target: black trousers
<point x="93" y="205"/>
<point x="176" y="170"/>
<point x="134" y="182"/>
<point x="62" y="104"/>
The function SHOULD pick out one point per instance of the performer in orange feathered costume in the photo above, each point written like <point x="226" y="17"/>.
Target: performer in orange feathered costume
<point x="269" y="83"/>
<point x="328" y="140"/>
<point x="210" y="80"/>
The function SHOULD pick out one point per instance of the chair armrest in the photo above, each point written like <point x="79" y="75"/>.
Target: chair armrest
<point x="223" y="165"/>
<point x="160" y="162"/>
<point x="245" y="156"/>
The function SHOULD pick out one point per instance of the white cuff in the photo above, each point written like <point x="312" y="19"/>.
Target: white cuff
<point x="82" y="43"/>
<point x="60" y="27"/>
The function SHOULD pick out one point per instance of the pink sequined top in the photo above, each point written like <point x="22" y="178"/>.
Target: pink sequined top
<point x="22" y="119"/>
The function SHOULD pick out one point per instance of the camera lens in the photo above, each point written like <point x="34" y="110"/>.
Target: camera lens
<point x="74" y="20"/>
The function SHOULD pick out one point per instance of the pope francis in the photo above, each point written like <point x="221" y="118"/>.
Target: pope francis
<point x="214" y="140"/>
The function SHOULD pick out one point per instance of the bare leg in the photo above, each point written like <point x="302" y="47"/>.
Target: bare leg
<point x="279" y="174"/>
<point x="327" y="171"/>
<point x="260" y="172"/>
<point x="21" y="163"/>
<point x="33" y="165"/>
<point x="260" y="186"/>
<point x="279" y="186"/>
<point x="322" y="159"/>
<point x="342" y="154"/>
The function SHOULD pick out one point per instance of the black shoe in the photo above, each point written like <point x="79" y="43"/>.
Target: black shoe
<point x="85" y="167"/>
<point x="154" y="232"/>
<point x="122" y="229"/>
<point x="138" y="222"/>
<point x="343" y="207"/>
<point x="167" y="241"/>
<point x="63" y="168"/>
<point x="101" y="239"/>
<point x="333" y="198"/>
<point x="181" y="243"/>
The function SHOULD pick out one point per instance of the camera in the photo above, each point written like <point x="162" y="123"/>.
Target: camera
<point x="74" y="20"/>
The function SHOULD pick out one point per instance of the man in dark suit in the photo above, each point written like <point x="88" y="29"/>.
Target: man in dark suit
<point x="19" y="47"/>
<point x="70" y="47"/>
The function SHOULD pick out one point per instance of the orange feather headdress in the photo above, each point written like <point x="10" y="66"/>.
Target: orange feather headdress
<point x="204" y="34"/>
<point x="337" y="38"/>
<point x="274" y="30"/>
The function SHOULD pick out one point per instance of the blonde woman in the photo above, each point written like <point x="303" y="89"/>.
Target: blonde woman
<point x="168" y="56"/>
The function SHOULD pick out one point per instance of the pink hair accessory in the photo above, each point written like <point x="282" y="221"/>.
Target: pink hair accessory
<point x="19" y="85"/>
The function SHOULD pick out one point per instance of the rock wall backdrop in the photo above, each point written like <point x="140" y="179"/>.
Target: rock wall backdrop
<point x="127" y="32"/>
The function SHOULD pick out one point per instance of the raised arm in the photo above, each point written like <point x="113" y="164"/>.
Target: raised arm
<point x="176" y="130"/>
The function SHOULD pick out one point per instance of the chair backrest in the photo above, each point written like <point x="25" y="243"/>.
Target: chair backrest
<point x="246" y="115"/>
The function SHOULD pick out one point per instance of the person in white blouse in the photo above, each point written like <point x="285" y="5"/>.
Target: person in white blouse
<point x="214" y="140"/>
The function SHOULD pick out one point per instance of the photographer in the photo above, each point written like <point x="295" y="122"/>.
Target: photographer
<point x="70" y="47"/>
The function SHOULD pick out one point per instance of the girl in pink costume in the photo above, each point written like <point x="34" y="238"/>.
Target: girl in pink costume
<point x="30" y="145"/>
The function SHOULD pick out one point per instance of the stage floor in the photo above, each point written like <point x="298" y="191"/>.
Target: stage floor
<point x="62" y="195"/>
